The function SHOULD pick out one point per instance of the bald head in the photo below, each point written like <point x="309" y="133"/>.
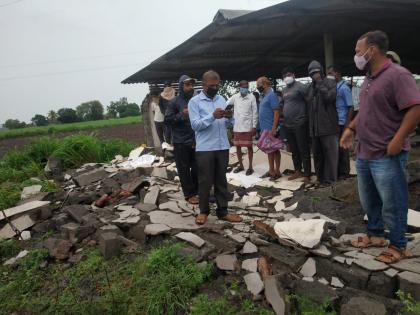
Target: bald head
<point x="263" y="84"/>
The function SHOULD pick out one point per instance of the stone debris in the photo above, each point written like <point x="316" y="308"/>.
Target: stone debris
<point x="160" y="172"/>
<point x="363" y="306"/>
<point x="280" y="206"/>
<point x="391" y="272"/>
<point x="249" y="248"/>
<point x="227" y="262"/>
<point x="250" y="264"/>
<point x="170" y="205"/>
<point x="152" y="195"/>
<point x="371" y="264"/>
<point x="308" y="279"/>
<point x="173" y="220"/>
<point x="288" y="185"/>
<point x="191" y="238"/>
<point x="317" y="215"/>
<point x="309" y="268"/>
<point x="254" y="283"/>
<point x="275" y="295"/>
<point x="30" y="191"/>
<point x="292" y="207"/>
<point x="109" y="244"/>
<point x="237" y="238"/>
<point x="413" y="218"/>
<point x="411" y="264"/>
<point x="340" y="259"/>
<point x="409" y="282"/>
<point x="90" y="177"/>
<point x="306" y="233"/>
<point x="252" y="199"/>
<point x="58" y="248"/>
<point x="335" y="282"/>
<point x="321" y="250"/>
<point x="145" y="207"/>
<point x="22" y="223"/>
<point x="25" y="235"/>
<point x="29" y="206"/>
<point x="13" y="260"/>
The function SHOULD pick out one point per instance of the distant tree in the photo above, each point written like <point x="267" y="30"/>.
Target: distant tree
<point x="122" y="108"/>
<point x="52" y="116"/>
<point x="39" y="120"/>
<point x="92" y="110"/>
<point x="228" y="88"/>
<point x="67" y="115"/>
<point x="14" y="124"/>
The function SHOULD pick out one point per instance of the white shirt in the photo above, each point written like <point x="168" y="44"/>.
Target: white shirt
<point x="159" y="117"/>
<point x="245" y="112"/>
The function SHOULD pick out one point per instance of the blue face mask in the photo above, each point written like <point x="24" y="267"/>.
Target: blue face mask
<point x="243" y="91"/>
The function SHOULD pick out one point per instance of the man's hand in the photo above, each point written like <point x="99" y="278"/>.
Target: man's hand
<point x="254" y="131"/>
<point x="274" y="132"/>
<point x="346" y="140"/>
<point x="395" y="146"/>
<point x="227" y="113"/>
<point x="218" y="113"/>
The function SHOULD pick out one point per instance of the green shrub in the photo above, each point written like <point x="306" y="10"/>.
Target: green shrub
<point x="9" y="248"/>
<point x="410" y="306"/>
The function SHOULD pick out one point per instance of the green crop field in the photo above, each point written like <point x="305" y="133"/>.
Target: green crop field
<point x="57" y="128"/>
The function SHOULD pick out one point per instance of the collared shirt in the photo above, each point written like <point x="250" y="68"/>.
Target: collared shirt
<point x="343" y="101"/>
<point x="245" y="112"/>
<point x="268" y="104"/>
<point x="158" y="116"/>
<point x="210" y="133"/>
<point x="384" y="100"/>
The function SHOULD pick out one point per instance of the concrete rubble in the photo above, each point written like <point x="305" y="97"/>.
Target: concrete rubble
<point x="303" y="233"/>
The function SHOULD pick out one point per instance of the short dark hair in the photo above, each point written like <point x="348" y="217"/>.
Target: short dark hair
<point x="378" y="39"/>
<point x="210" y="75"/>
<point x="287" y="70"/>
<point x="335" y="69"/>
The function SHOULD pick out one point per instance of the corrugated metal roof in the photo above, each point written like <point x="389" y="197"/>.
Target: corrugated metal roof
<point x="290" y="33"/>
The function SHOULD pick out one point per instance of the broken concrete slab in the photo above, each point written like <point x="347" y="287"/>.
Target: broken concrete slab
<point x="135" y="185"/>
<point x="250" y="265"/>
<point x="279" y="206"/>
<point x="152" y="195"/>
<point x="191" y="238"/>
<point x="410" y="264"/>
<point x="363" y="306"/>
<point x="317" y="215"/>
<point x="258" y="209"/>
<point x="29" y="191"/>
<point x="291" y="207"/>
<point x="237" y="238"/>
<point x="371" y="264"/>
<point x="413" y="218"/>
<point x="254" y="283"/>
<point x="322" y="251"/>
<point x="288" y="185"/>
<point x="21" y="223"/>
<point x="76" y="212"/>
<point x="145" y="207"/>
<point x="249" y="248"/>
<point x="25" y="235"/>
<point x="252" y="199"/>
<point x="391" y="272"/>
<point x="109" y="244"/>
<point x="170" y="205"/>
<point x="173" y="220"/>
<point x="358" y="255"/>
<point x="309" y="268"/>
<point x="335" y="282"/>
<point x="156" y="229"/>
<point x="227" y="262"/>
<point x="306" y="233"/>
<point x="409" y="282"/>
<point x="160" y="172"/>
<point x="75" y="232"/>
<point x="275" y="295"/>
<point x="90" y="177"/>
<point x="33" y="205"/>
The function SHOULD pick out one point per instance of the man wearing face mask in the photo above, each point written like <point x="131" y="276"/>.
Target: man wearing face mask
<point x="209" y="120"/>
<point x="183" y="138"/>
<point x="344" y="103"/>
<point x="245" y="116"/>
<point x="295" y="112"/>
<point x="389" y="112"/>
<point x="323" y="124"/>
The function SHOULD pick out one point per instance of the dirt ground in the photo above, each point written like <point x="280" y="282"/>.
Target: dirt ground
<point x="132" y="133"/>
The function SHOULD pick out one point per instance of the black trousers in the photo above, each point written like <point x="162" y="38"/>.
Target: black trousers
<point x="167" y="132"/>
<point x="343" y="159"/>
<point x="160" y="130"/>
<point x="212" y="173"/>
<point x="325" y="150"/>
<point x="187" y="168"/>
<point x="299" y="143"/>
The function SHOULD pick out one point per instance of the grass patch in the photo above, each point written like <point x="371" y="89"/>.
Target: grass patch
<point x="9" y="248"/>
<point x="306" y="306"/>
<point x="57" y="128"/>
<point x="18" y="166"/>
<point x="410" y="306"/>
<point x="124" y="285"/>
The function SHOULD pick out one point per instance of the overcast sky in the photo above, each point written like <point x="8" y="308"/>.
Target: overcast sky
<point x="57" y="53"/>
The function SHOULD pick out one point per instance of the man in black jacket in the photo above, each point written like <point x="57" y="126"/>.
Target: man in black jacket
<point x="183" y="138"/>
<point x="323" y="124"/>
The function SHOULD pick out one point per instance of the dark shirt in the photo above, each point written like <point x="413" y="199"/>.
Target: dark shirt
<point x="384" y="100"/>
<point x="295" y="109"/>
<point x="180" y="123"/>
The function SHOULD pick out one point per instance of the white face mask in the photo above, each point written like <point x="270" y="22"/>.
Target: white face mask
<point x="361" y="61"/>
<point x="331" y="77"/>
<point x="289" y="80"/>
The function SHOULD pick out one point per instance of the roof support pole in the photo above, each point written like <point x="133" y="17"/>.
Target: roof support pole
<point x="328" y="50"/>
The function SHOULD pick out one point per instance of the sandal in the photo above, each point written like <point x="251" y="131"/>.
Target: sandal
<point x="193" y="200"/>
<point x="275" y="177"/>
<point x="249" y="171"/>
<point x="238" y="169"/>
<point x="201" y="218"/>
<point x="392" y="255"/>
<point x="369" y="241"/>
<point x="267" y="174"/>
<point x="231" y="218"/>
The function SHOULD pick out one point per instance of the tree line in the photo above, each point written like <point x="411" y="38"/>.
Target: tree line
<point x="88" y="111"/>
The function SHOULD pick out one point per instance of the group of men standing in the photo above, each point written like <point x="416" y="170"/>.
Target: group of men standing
<point x="318" y="115"/>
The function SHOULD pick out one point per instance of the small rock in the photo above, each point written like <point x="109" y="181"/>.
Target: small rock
<point x="250" y="265"/>
<point x="160" y="172"/>
<point x="156" y="229"/>
<point x="226" y="262"/>
<point x="279" y="206"/>
<point x="411" y="264"/>
<point x="340" y="259"/>
<point x="274" y="295"/>
<point x="323" y="281"/>
<point x="191" y="238"/>
<point x="58" y="248"/>
<point x="409" y="282"/>
<point x="30" y="191"/>
<point x="391" y="272"/>
<point x="371" y="264"/>
<point x="145" y="207"/>
<point x="25" y="235"/>
<point x="322" y="251"/>
<point x="254" y="283"/>
<point x="335" y="282"/>
<point x="306" y="233"/>
<point x="238" y="238"/>
<point x="363" y="306"/>
<point x="90" y="177"/>
<point x="308" y="279"/>
<point x="109" y="244"/>
<point x="152" y="195"/>
<point x="309" y="268"/>
<point x="170" y="205"/>
<point x="76" y="212"/>
<point x="249" y="248"/>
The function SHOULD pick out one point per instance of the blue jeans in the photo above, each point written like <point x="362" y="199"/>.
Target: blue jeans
<point x="383" y="192"/>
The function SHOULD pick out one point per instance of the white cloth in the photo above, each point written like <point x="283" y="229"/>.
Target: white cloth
<point x="159" y="117"/>
<point x="245" y="112"/>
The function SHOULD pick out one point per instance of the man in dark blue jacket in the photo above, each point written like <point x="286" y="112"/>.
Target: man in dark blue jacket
<point x="183" y="138"/>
